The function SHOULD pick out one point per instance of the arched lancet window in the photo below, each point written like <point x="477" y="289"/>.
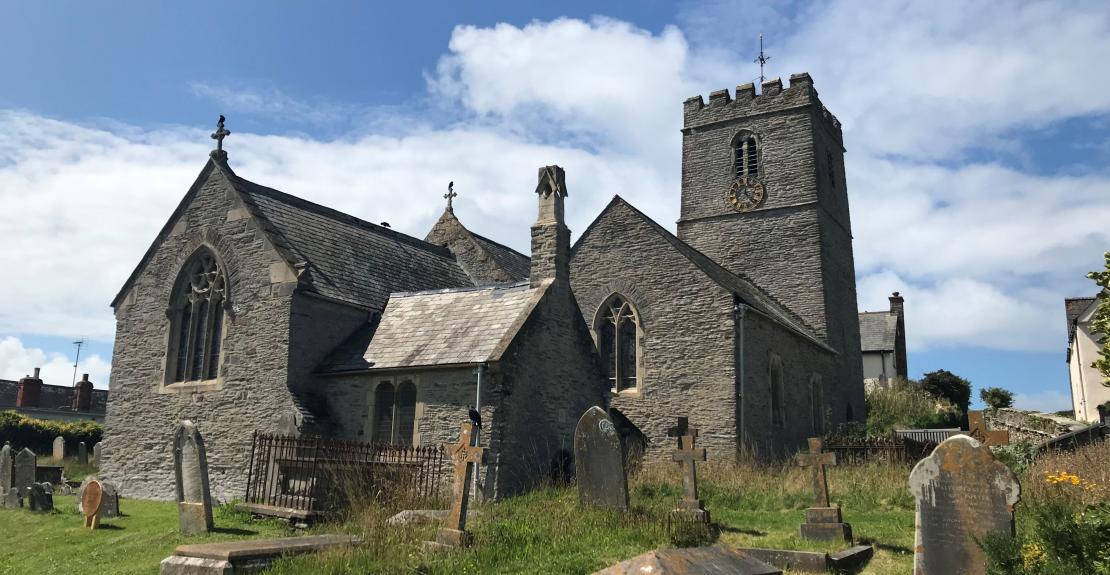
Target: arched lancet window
<point x="817" y="403"/>
<point x="394" y="413"/>
<point x="774" y="378"/>
<point x="830" y="167"/>
<point x="618" y="338"/>
<point x="745" y="157"/>
<point x="197" y="312"/>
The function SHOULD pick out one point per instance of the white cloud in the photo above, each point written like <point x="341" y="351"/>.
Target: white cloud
<point x="17" y="361"/>
<point x="1044" y="401"/>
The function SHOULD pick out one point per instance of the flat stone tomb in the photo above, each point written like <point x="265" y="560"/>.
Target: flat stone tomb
<point x="599" y="462"/>
<point x="962" y="495"/>
<point x="91" y="499"/>
<point x="245" y="556"/>
<point x="24" y="471"/>
<point x="5" y="469"/>
<point x="823" y="520"/>
<point x="717" y="560"/>
<point x="977" y="428"/>
<point x="466" y="454"/>
<point x="194" y="501"/>
<point x="687" y="456"/>
<point x="59" y="448"/>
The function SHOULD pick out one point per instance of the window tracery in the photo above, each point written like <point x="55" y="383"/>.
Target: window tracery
<point x="198" y="319"/>
<point x="618" y="331"/>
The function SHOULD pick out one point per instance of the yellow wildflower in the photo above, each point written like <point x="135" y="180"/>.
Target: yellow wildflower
<point x="1033" y="555"/>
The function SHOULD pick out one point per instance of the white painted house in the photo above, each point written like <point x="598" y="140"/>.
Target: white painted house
<point x="1087" y="391"/>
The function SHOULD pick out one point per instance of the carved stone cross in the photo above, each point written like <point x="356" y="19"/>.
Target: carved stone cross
<point x="450" y="195"/>
<point x="977" y="428"/>
<point x="465" y="455"/>
<point x="687" y="456"/>
<point x="220" y="133"/>
<point x="818" y="461"/>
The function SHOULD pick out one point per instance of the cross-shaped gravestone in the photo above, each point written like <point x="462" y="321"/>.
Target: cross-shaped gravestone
<point x="977" y="428"/>
<point x="823" y="520"/>
<point x="687" y="457"/>
<point x="465" y="454"/>
<point x="818" y="460"/>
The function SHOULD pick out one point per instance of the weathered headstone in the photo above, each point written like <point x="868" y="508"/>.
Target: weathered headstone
<point x="40" y="499"/>
<point x="598" y="461"/>
<point x="194" y="500"/>
<point x="977" y="428"/>
<point x="82" y="453"/>
<point x="96" y="453"/>
<point x="465" y="454"/>
<point x="962" y="494"/>
<point x="24" y="471"/>
<point x="5" y="469"/>
<point x="59" y="452"/>
<point x="12" y="500"/>
<point x="109" y="498"/>
<point x="687" y="457"/>
<point x="823" y="520"/>
<point x="90" y="503"/>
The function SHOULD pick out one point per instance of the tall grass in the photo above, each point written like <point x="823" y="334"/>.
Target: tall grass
<point x="904" y="404"/>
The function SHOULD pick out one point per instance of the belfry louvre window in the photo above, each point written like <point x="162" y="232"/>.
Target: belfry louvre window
<point x="197" y="313"/>
<point x="746" y="158"/>
<point x="394" y="413"/>
<point x="618" y="331"/>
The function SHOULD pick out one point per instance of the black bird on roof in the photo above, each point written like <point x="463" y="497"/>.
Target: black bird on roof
<point x="475" y="417"/>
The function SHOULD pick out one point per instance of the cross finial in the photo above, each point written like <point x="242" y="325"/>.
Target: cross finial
<point x="450" y="195"/>
<point x="762" y="59"/>
<point x="219" y="135"/>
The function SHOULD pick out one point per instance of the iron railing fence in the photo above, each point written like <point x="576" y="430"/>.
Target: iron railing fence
<point x="315" y="475"/>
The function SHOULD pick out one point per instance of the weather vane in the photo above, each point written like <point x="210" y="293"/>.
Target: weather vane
<point x="450" y="195"/>
<point x="219" y="135"/>
<point x="762" y="59"/>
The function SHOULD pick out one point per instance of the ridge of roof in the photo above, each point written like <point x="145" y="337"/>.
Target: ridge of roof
<point x="515" y="285"/>
<point x="740" y="285"/>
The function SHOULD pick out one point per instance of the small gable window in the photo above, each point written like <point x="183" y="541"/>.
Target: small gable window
<point x="775" y="380"/>
<point x="394" y="413"/>
<point x="745" y="158"/>
<point x="197" y="319"/>
<point x="817" y="403"/>
<point x="618" y="335"/>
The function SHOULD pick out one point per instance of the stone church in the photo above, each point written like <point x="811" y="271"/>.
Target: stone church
<point x="254" y="310"/>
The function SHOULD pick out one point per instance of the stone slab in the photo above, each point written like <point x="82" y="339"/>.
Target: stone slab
<point x="236" y="551"/>
<point x="823" y="515"/>
<point x="24" y="471"/>
<point x="175" y="565"/>
<point x="826" y="531"/>
<point x="851" y="560"/>
<point x="425" y="516"/>
<point x="789" y="560"/>
<point x="718" y="560"/>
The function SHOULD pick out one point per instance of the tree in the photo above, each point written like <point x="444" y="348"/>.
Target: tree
<point x="944" y="384"/>
<point x="1100" y="322"/>
<point x="996" y="397"/>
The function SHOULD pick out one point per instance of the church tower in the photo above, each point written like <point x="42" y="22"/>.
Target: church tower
<point x="764" y="194"/>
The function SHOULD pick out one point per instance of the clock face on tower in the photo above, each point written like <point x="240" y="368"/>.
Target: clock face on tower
<point x="745" y="195"/>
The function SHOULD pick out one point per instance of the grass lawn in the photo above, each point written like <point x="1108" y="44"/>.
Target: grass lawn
<point x="59" y="543"/>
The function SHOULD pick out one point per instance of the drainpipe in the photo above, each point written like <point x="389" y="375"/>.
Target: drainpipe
<point x="741" y="310"/>
<point x="478" y="433"/>
<point x="1082" y="383"/>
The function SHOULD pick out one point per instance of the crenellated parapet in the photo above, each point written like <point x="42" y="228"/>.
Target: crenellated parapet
<point x="772" y="97"/>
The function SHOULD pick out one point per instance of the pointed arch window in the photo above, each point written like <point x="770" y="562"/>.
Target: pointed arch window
<point x="745" y="163"/>
<point x="394" y="413"/>
<point x="197" y="319"/>
<point x="619" y="339"/>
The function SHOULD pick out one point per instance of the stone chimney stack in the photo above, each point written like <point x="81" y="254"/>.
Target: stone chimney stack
<point x="550" y="236"/>
<point x="82" y="394"/>
<point x="30" y="388"/>
<point x="896" y="304"/>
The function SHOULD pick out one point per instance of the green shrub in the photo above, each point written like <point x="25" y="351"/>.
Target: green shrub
<point x="1018" y="456"/>
<point x="1062" y="541"/>
<point x="38" y="434"/>
<point x="996" y="397"/>
<point x="905" y="405"/>
<point x="944" y="384"/>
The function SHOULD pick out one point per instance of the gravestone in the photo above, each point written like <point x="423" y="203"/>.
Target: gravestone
<point x="823" y="520"/>
<point x="109" y="498"/>
<point x="24" y="471"/>
<point x="194" y="500"/>
<point x="59" y="452"/>
<point x="5" y="469"/>
<point x="82" y="453"/>
<point x="91" y="499"/>
<point x="977" y="428"/>
<point x="962" y="495"/>
<point x="687" y="457"/>
<point x="465" y="454"/>
<point x="40" y="498"/>
<point x="598" y="461"/>
<point x="12" y="500"/>
<point x="96" y="453"/>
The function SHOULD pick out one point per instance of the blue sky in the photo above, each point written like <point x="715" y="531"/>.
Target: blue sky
<point x="977" y="136"/>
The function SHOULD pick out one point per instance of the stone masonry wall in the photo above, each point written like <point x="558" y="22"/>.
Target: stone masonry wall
<point x="687" y="360"/>
<point x="475" y="260"/>
<point x="251" y="389"/>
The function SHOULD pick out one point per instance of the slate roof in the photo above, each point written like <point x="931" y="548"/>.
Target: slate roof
<point x="516" y="264"/>
<point x="1073" y="308"/>
<point x="741" y="286"/>
<point x="878" y="331"/>
<point x="343" y="257"/>
<point x="437" y="328"/>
